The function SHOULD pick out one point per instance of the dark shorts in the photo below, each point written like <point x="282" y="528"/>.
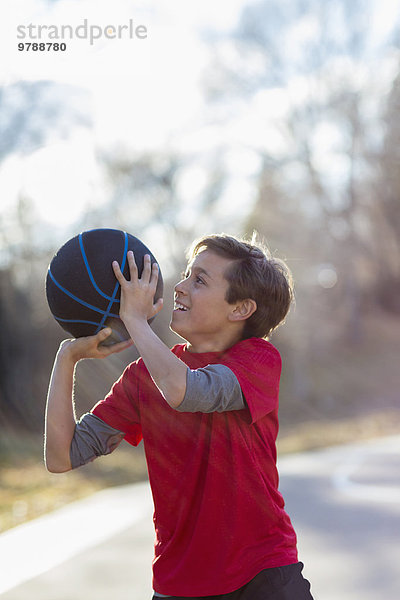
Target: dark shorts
<point x="280" y="583"/>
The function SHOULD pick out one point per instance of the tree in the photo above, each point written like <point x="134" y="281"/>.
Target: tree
<point x="386" y="212"/>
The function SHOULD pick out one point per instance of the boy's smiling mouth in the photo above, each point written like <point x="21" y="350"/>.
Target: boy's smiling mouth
<point x="179" y="306"/>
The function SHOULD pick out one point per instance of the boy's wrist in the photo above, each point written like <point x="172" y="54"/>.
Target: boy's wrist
<point x="67" y="353"/>
<point x="136" y="326"/>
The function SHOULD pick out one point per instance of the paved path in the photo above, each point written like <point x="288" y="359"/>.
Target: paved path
<point x="344" y="503"/>
<point x="91" y="549"/>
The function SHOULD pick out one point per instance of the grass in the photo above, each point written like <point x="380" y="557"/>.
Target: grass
<point x="28" y="491"/>
<point x="324" y="433"/>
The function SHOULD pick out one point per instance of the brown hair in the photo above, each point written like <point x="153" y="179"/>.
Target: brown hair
<point x="255" y="274"/>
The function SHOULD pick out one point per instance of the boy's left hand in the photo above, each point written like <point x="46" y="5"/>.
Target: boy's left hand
<point x="137" y="294"/>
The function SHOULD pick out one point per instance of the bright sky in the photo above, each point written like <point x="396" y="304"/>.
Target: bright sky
<point x="139" y="90"/>
<point x="142" y="95"/>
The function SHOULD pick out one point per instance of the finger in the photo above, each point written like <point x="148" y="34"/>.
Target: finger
<point x="117" y="272"/>
<point x="119" y="346"/>
<point x="133" y="270"/>
<point x="146" y="273"/>
<point x="158" y="305"/>
<point x="115" y="348"/>
<point x="99" y="338"/>
<point x="154" y="276"/>
<point x="103" y="334"/>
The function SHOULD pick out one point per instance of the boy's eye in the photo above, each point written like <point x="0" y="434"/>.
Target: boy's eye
<point x="188" y="273"/>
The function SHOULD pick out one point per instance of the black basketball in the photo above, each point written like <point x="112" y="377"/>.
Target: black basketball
<point x="82" y="291"/>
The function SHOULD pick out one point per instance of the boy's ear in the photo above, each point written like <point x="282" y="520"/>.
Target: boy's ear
<point x="243" y="310"/>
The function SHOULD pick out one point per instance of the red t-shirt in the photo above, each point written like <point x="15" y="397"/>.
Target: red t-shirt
<point x="219" y="517"/>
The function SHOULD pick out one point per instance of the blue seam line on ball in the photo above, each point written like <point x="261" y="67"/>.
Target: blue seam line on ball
<point x="76" y="321"/>
<point x="96" y="287"/>
<point x="107" y="313"/>
<point x="79" y="300"/>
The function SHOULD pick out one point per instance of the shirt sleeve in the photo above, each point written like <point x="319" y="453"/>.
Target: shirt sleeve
<point x="120" y="408"/>
<point x="257" y="365"/>
<point x="214" y="388"/>
<point x="92" y="438"/>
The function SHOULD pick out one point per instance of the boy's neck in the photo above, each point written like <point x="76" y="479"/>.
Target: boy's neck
<point x="204" y="346"/>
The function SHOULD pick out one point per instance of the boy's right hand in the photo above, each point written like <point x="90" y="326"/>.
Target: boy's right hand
<point x="89" y="347"/>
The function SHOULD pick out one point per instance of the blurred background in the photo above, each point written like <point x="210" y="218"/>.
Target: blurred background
<point x="277" y="116"/>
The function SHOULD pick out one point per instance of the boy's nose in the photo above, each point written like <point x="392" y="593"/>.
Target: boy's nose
<point x="180" y="287"/>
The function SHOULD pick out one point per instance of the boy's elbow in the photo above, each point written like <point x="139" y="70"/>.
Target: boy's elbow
<point x="175" y="404"/>
<point x="54" y="466"/>
<point x="173" y="393"/>
<point x="57" y="469"/>
<point x="174" y="398"/>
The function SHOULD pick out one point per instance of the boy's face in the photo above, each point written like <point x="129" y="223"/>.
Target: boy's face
<point x="201" y="313"/>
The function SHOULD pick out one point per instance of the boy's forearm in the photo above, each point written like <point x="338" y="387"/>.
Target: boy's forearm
<point x="166" y="369"/>
<point x="60" y="417"/>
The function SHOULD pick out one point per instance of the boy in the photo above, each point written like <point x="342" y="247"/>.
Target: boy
<point x="207" y="412"/>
